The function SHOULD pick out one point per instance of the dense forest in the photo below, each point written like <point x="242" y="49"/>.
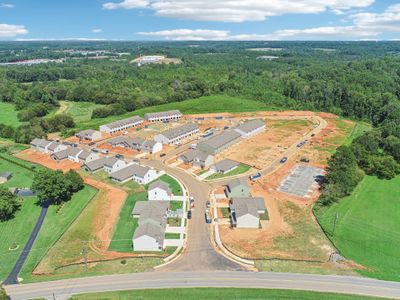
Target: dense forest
<point x="359" y="80"/>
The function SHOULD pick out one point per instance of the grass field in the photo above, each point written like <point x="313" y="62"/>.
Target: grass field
<point x="367" y="227"/>
<point x="80" y="111"/>
<point x="54" y="226"/>
<point x="242" y="168"/>
<point x="122" y="236"/>
<point x="207" y="104"/>
<point x="215" y="293"/>
<point x="9" y="115"/>
<point x="173" y="184"/>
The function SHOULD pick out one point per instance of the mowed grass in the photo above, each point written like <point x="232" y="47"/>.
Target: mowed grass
<point x="55" y="224"/>
<point x="216" y="293"/>
<point x="126" y="225"/>
<point x="80" y="111"/>
<point x="207" y="104"/>
<point x="173" y="184"/>
<point x="367" y="227"/>
<point x="21" y="177"/>
<point x="242" y="168"/>
<point x="9" y="115"/>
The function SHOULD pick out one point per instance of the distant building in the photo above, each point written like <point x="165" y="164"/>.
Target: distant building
<point x="40" y="145"/>
<point x="250" y="128"/>
<point x="177" y="134"/>
<point x="137" y="144"/>
<point x="225" y="166"/>
<point x="220" y="142"/>
<point x="152" y="220"/>
<point x="245" y="212"/>
<point x="164" y="116"/>
<point x="121" y="125"/>
<point x="90" y="135"/>
<point x="237" y="188"/>
<point x="159" y="190"/>
<point x="4" y="177"/>
<point x="197" y="158"/>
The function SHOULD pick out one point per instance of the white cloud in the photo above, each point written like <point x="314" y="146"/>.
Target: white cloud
<point x="126" y="4"/>
<point x="189" y="34"/>
<point x="6" y="5"/>
<point x="97" y="30"/>
<point x="239" y="10"/>
<point x="7" y="30"/>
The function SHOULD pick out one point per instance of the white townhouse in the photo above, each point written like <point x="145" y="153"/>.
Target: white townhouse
<point x="40" y="145"/>
<point x="250" y="128"/>
<point x="177" y="134"/>
<point x="121" y="125"/>
<point x="163" y="116"/>
<point x="140" y="174"/>
<point x="89" y="134"/>
<point x="113" y="164"/>
<point x="55" y="147"/>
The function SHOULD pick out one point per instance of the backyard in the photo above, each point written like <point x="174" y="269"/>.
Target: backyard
<point x="242" y="168"/>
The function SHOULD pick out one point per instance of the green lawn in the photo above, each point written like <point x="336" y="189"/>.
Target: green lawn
<point x="54" y="226"/>
<point x="9" y="115"/>
<point x="216" y="293"/>
<point x="174" y="205"/>
<point x="242" y="168"/>
<point x="21" y="177"/>
<point x="174" y="236"/>
<point x="173" y="184"/>
<point x="367" y="227"/>
<point x="80" y="111"/>
<point x="126" y="226"/>
<point x="207" y="104"/>
<point x="359" y="129"/>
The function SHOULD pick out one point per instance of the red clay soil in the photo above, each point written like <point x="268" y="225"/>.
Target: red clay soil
<point x="47" y="161"/>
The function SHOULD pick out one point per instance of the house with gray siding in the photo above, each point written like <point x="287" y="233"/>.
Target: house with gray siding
<point x="197" y="158"/>
<point x="245" y="212"/>
<point x="237" y="188"/>
<point x="89" y="135"/>
<point x="225" y="166"/>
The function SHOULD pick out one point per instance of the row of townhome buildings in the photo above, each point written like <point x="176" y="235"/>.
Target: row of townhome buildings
<point x="137" y="144"/>
<point x="176" y="134"/>
<point x="164" y="116"/>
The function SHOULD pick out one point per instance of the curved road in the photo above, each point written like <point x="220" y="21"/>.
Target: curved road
<point x="321" y="283"/>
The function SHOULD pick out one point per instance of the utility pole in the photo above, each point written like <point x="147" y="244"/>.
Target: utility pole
<point x="334" y="224"/>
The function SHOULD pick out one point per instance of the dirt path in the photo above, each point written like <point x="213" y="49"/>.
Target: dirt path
<point x="64" y="106"/>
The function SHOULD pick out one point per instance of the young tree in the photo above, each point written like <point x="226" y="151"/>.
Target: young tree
<point x="8" y="204"/>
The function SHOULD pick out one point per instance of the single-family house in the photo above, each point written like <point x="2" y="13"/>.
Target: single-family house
<point x="61" y="155"/>
<point x="225" y="166"/>
<point x="40" y="145"/>
<point x="245" y="212"/>
<point x="237" y="188"/>
<point x="197" y="158"/>
<point x="89" y="134"/>
<point x="95" y="165"/>
<point x="151" y="147"/>
<point x="159" y="190"/>
<point x="152" y="219"/>
<point x="114" y="164"/>
<point x="55" y="147"/>
<point x="87" y="156"/>
<point x="177" y="134"/>
<point x="6" y="176"/>
<point x="164" y="116"/>
<point x="250" y="128"/>
<point x="138" y="173"/>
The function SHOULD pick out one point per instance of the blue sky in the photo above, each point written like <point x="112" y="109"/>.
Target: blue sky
<point x="200" y="19"/>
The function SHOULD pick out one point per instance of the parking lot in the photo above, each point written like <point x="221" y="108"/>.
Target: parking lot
<point x="301" y="181"/>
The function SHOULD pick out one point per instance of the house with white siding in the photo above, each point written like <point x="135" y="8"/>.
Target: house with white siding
<point x="250" y="128"/>
<point x="140" y="174"/>
<point x="40" y="145"/>
<point x="159" y="191"/>
<point x="197" y="158"/>
<point x="89" y="135"/>
<point x="113" y="164"/>
<point x="55" y="147"/>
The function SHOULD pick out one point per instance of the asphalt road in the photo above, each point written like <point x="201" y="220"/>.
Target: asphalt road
<point x="13" y="276"/>
<point x="322" y="283"/>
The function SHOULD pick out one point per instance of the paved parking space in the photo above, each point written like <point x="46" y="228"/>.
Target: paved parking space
<point x="301" y="181"/>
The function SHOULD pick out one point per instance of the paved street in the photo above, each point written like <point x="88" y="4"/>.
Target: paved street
<point x="323" y="283"/>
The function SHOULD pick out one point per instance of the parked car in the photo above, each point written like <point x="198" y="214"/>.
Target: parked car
<point x="119" y="156"/>
<point x="91" y="143"/>
<point x="125" y="132"/>
<point x="208" y="217"/>
<point x="162" y="154"/>
<point x="189" y="214"/>
<point x="305" y="159"/>
<point x="193" y="146"/>
<point x="283" y="160"/>
<point x="104" y="151"/>
<point x="95" y="150"/>
<point x="208" y="204"/>
<point x="255" y="176"/>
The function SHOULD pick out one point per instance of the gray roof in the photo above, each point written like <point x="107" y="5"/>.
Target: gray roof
<point x="130" y="171"/>
<point x="222" y="139"/>
<point x="194" y="154"/>
<point x="97" y="164"/>
<point x="124" y="122"/>
<point x="179" y="131"/>
<point x="251" y="125"/>
<point x="248" y="205"/>
<point x="225" y="165"/>
<point x="149" y="229"/>
<point x="237" y="182"/>
<point x="162" y="114"/>
<point x="71" y="151"/>
<point x="118" y="140"/>
<point x="111" y="161"/>
<point x="53" y="146"/>
<point x="86" y="133"/>
<point x="40" y="142"/>
<point x="6" y="175"/>
<point x="63" y="154"/>
<point x="148" y="144"/>
<point x="162" y="185"/>
<point x="84" y="154"/>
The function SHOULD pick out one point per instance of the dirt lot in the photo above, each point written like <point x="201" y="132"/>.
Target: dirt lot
<point x="47" y="161"/>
